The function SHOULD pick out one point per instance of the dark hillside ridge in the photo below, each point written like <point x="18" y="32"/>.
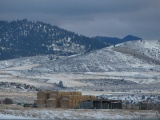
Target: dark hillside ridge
<point x="114" y="40"/>
<point x="23" y="38"/>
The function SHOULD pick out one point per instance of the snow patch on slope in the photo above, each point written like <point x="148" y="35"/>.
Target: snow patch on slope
<point x="150" y="48"/>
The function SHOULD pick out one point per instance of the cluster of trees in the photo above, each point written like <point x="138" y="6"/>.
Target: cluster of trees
<point x="114" y="40"/>
<point x="25" y="38"/>
<point x="18" y="85"/>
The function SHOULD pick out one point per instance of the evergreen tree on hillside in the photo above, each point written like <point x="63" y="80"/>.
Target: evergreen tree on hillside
<point x="25" y="38"/>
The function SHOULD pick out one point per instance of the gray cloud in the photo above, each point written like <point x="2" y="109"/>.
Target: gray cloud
<point x="90" y="17"/>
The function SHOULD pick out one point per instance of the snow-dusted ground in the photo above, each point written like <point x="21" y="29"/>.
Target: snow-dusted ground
<point x="150" y="48"/>
<point x="127" y="72"/>
<point x="79" y="114"/>
<point x="110" y="59"/>
<point x="77" y="71"/>
<point x="7" y="116"/>
<point x="104" y="60"/>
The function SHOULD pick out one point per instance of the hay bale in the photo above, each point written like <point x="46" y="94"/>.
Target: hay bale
<point x="79" y="93"/>
<point x="69" y="93"/>
<point x="42" y="95"/>
<point x="76" y="106"/>
<point x="86" y="97"/>
<point x="59" y="95"/>
<point x="66" y="103"/>
<point x="77" y="100"/>
<point x="83" y="98"/>
<point x="52" y="103"/>
<point x="53" y="96"/>
<point x="93" y="97"/>
<point x="53" y="92"/>
<point x="76" y="103"/>
<point x="41" y="103"/>
<point x="67" y="97"/>
<point x="74" y="93"/>
<point x="77" y="96"/>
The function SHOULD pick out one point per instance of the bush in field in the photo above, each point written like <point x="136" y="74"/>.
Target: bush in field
<point x="61" y="84"/>
<point x="7" y="101"/>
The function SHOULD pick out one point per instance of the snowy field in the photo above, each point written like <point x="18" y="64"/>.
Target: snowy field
<point x="126" y="72"/>
<point x="5" y="116"/>
<point x="77" y="114"/>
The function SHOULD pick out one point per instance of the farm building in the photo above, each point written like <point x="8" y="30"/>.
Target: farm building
<point x="101" y="104"/>
<point x="146" y="105"/>
<point x="70" y="100"/>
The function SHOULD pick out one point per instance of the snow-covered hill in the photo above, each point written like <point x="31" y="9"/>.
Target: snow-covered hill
<point x="24" y="38"/>
<point x="144" y="49"/>
<point x="129" y="56"/>
<point x="142" y="55"/>
<point x="126" y="68"/>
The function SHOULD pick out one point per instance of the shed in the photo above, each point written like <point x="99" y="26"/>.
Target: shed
<point x="86" y="105"/>
<point x="107" y="104"/>
<point x="101" y="104"/>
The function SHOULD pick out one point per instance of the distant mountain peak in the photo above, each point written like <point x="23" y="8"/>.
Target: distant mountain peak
<point x="115" y="40"/>
<point x="131" y="37"/>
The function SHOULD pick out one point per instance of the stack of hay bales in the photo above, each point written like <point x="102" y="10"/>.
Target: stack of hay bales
<point x="42" y="96"/>
<point x="55" y="99"/>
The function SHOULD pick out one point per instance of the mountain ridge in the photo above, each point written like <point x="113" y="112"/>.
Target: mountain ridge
<point x="115" y="40"/>
<point x="141" y="56"/>
<point x="24" y="38"/>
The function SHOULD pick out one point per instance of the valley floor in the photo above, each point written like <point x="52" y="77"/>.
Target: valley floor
<point x="13" y="112"/>
<point x="111" y="74"/>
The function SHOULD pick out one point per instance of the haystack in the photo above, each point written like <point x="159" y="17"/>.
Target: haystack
<point x="54" y="96"/>
<point x="52" y="92"/>
<point x="52" y="103"/>
<point x="41" y="103"/>
<point x="66" y="103"/>
<point x="67" y="97"/>
<point x="93" y="97"/>
<point x="42" y="95"/>
<point x="62" y="99"/>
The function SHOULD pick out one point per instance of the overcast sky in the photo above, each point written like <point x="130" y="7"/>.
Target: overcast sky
<point x="114" y="18"/>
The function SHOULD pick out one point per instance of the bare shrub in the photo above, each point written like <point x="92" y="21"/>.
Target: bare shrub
<point x="7" y="101"/>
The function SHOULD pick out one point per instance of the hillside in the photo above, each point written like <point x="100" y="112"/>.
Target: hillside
<point x="126" y="69"/>
<point x="24" y="38"/>
<point x="142" y="55"/>
<point x="115" y="40"/>
<point x="144" y="49"/>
